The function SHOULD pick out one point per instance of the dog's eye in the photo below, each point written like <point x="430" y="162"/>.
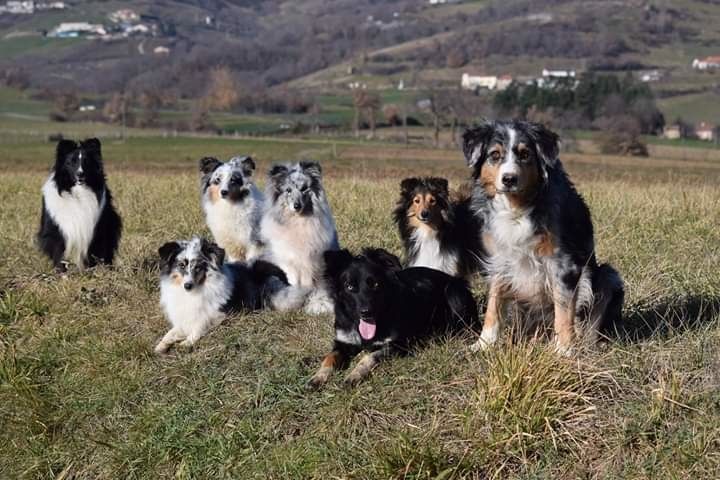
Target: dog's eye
<point x="416" y="201"/>
<point x="182" y="264"/>
<point x="216" y="181"/>
<point x="431" y="201"/>
<point x="523" y="155"/>
<point x="374" y="285"/>
<point x="288" y="190"/>
<point x="495" y="156"/>
<point x="350" y="287"/>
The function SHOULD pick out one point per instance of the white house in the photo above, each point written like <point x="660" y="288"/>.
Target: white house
<point x="160" y="50"/>
<point x="705" y="131"/>
<point x="489" y="82"/>
<point x="76" y="29"/>
<point x="706" y="63"/>
<point x="19" y="8"/>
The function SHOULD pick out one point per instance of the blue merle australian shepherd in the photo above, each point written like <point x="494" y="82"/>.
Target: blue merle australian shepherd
<point x="539" y="235"/>
<point x="438" y="231"/>
<point x="198" y="289"/>
<point x="233" y="205"/>
<point x="298" y="227"/>
<point x="79" y="223"/>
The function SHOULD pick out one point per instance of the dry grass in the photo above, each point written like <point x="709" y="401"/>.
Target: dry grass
<point x="83" y="396"/>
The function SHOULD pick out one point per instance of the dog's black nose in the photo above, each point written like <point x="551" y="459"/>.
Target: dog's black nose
<point x="297" y="206"/>
<point x="510" y="180"/>
<point x="224" y="193"/>
<point x="424" y="215"/>
<point x="365" y="313"/>
<point x="188" y="286"/>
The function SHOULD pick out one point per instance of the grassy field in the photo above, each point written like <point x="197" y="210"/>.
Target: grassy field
<point x="83" y="396"/>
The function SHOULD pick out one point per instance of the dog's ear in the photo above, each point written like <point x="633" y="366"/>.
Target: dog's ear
<point x="92" y="146"/>
<point x="408" y="186"/>
<point x="209" y="164"/>
<point x="439" y="184"/>
<point x="212" y="251"/>
<point x="475" y="143"/>
<point x="63" y="149"/>
<point x="336" y="261"/>
<point x="248" y="166"/>
<point x="278" y="172"/>
<point x="312" y="168"/>
<point x="547" y="143"/>
<point x="382" y="257"/>
<point x="168" y="252"/>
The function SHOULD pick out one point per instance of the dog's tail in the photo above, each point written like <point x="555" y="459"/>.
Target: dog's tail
<point x="609" y="293"/>
<point x="287" y="297"/>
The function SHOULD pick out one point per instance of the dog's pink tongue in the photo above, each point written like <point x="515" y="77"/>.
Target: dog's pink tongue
<point x="367" y="330"/>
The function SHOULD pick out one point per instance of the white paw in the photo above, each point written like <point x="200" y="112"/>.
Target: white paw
<point x="563" y="350"/>
<point x="318" y="303"/>
<point x="488" y="337"/>
<point x="162" y="348"/>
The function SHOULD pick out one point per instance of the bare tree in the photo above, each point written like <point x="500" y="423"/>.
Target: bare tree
<point x="366" y="104"/>
<point x="223" y="91"/>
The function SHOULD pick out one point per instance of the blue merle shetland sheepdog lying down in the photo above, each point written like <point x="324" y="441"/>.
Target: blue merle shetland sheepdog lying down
<point x="78" y="223"/>
<point x="233" y="205"/>
<point x="539" y="236"/>
<point x="297" y="227"/>
<point x="386" y="310"/>
<point x="198" y="289"/>
<point x="438" y="231"/>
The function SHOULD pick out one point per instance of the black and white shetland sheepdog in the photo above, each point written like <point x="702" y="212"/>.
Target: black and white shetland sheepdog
<point x="386" y="310"/>
<point x="79" y="223"/>
<point x="539" y="235"/>
<point x="198" y="289"/>
<point x="233" y="205"/>
<point x="438" y="231"/>
<point x="297" y="227"/>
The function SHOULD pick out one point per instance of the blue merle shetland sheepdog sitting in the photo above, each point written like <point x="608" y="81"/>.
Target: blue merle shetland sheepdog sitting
<point x="79" y="223"/>
<point x="233" y="205"/>
<point x="438" y="231"/>
<point x="297" y="227"/>
<point x="386" y="310"/>
<point x="538" y="233"/>
<point x="198" y="289"/>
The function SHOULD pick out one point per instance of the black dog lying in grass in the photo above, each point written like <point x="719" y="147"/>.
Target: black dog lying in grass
<point x="385" y="309"/>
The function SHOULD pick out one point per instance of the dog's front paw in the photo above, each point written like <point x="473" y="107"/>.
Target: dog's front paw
<point x="487" y="339"/>
<point x="186" y="345"/>
<point x="162" y="348"/>
<point x="353" y="379"/>
<point x="318" y="380"/>
<point x="564" y="349"/>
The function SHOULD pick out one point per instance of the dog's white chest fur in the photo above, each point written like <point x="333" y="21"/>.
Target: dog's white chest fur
<point x="197" y="310"/>
<point x="514" y="260"/>
<point x="297" y="245"/>
<point x="427" y="252"/>
<point x="234" y="225"/>
<point x="76" y="214"/>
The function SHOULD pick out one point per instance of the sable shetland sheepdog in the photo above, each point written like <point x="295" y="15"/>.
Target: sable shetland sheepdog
<point x="539" y="235"/>
<point x="78" y="223"/>
<point x="233" y="205"/>
<point x="297" y="227"/>
<point x="437" y="231"/>
<point x="198" y="290"/>
<point x="385" y="310"/>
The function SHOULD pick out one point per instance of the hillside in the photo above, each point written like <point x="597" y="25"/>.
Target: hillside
<point x="317" y="46"/>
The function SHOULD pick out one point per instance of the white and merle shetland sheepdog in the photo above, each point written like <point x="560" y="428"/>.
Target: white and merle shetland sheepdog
<point x="298" y="227"/>
<point x="233" y="205"/>
<point x="79" y="223"/>
<point x="539" y="236"/>
<point x="438" y="231"/>
<point x="198" y="289"/>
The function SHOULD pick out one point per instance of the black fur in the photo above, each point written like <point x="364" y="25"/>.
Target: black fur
<point x="557" y="208"/>
<point x="108" y="229"/>
<point x="458" y="228"/>
<point x="405" y="305"/>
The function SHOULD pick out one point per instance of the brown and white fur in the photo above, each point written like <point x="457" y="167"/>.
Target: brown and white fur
<point x="233" y="205"/>
<point x="539" y="236"/>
